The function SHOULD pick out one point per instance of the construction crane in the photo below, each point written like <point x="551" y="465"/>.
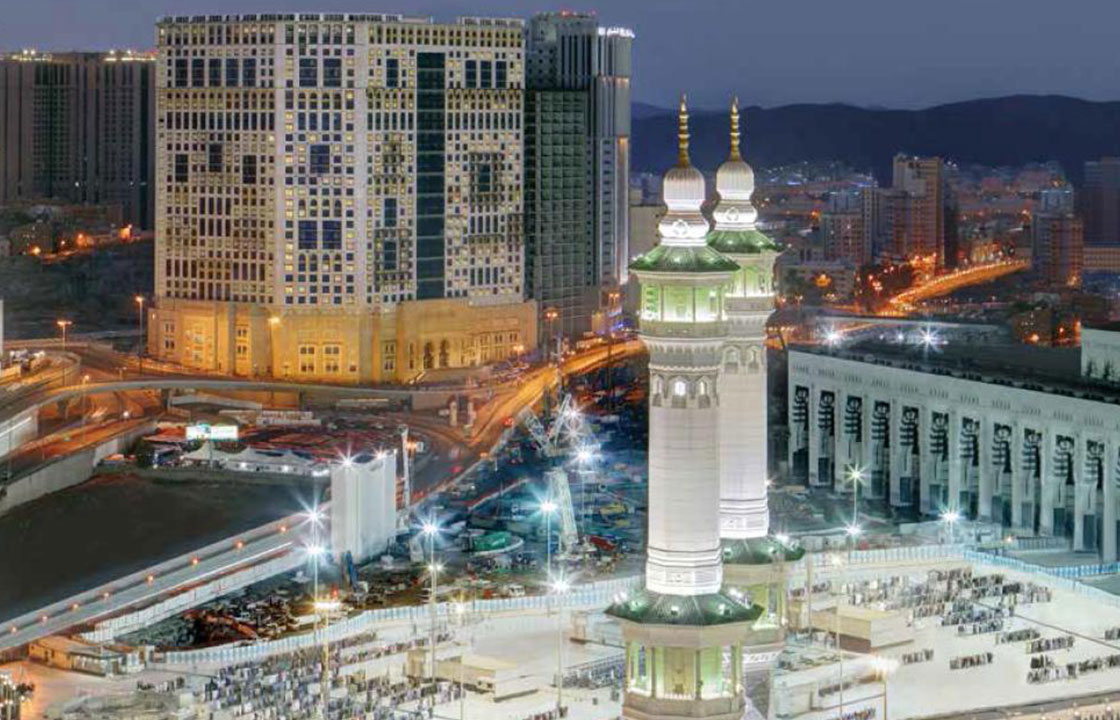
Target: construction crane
<point x="568" y="430"/>
<point x="567" y="437"/>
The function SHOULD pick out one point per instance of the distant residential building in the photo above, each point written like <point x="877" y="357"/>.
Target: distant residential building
<point x="1101" y="259"/>
<point x="570" y="52"/>
<point x="918" y="186"/>
<point x="79" y="127"/>
<point x="1100" y="201"/>
<point x="842" y="230"/>
<point x="1057" y="240"/>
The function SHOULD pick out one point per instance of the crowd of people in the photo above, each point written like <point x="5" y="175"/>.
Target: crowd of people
<point x="1044" y="669"/>
<point x="289" y="685"/>
<point x="1065" y="642"/>
<point x="970" y="661"/>
<point x="1013" y="636"/>
<point x="918" y="656"/>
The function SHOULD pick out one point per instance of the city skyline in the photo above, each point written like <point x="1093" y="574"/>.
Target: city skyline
<point x="770" y="55"/>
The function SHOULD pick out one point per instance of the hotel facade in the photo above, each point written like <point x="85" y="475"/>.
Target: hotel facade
<point x="339" y="197"/>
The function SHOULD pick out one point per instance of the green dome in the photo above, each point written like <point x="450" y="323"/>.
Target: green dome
<point x="650" y="608"/>
<point x="741" y="242"/>
<point x="690" y="259"/>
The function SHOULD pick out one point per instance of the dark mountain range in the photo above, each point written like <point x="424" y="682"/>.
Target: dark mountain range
<point x="998" y="131"/>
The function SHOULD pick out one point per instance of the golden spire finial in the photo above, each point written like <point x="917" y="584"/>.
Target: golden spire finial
<point x="682" y="133"/>
<point x="735" y="129"/>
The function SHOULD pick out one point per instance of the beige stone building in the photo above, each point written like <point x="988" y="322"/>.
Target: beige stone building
<point x="339" y="197"/>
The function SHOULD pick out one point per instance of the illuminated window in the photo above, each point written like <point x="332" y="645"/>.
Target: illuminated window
<point x="680" y="388"/>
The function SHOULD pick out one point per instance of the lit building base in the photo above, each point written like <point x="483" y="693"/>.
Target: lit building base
<point x="757" y="569"/>
<point x="684" y="655"/>
<point x="335" y="344"/>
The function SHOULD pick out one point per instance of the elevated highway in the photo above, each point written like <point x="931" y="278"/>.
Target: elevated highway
<point x="215" y="569"/>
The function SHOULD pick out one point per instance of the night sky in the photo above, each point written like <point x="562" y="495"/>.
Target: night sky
<point x="891" y="53"/>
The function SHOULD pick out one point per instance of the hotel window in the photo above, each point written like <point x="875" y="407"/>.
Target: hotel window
<point x="332" y="72"/>
<point x="215" y="72"/>
<point x="308" y="72"/>
<point x="472" y="74"/>
<point x="214" y="158"/>
<point x="308" y="235"/>
<point x="392" y="73"/>
<point x="181" y="72"/>
<point x="388" y="356"/>
<point x="389" y="213"/>
<point x="249" y="72"/>
<point x="232" y="72"/>
<point x="198" y="72"/>
<point x="248" y="169"/>
<point x="332" y="235"/>
<point x="331" y="355"/>
<point x="307" y="358"/>
<point x="319" y="159"/>
<point x="486" y="74"/>
<point x="182" y="168"/>
<point x="500" y="68"/>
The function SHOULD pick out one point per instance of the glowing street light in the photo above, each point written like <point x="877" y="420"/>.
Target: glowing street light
<point x="884" y="667"/>
<point x="950" y="518"/>
<point x="139" y="299"/>
<point x="429" y="530"/>
<point x="64" y="325"/>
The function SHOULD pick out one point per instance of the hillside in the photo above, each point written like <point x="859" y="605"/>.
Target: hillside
<point x="999" y="131"/>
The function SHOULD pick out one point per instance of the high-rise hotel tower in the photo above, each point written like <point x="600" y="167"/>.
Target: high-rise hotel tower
<point x="339" y="197"/>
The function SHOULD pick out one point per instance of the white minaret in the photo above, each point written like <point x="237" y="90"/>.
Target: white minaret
<point x="744" y="513"/>
<point x="684" y="636"/>
<point x="683" y="328"/>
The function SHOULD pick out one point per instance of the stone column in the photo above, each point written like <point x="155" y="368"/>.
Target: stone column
<point x="1017" y="493"/>
<point x="1046" y="494"/>
<point x="868" y="409"/>
<point x="1108" y="512"/>
<point x="814" y="435"/>
<point x="1080" y="491"/>
<point x="925" y="435"/>
<point x="984" y="458"/>
<point x="955" y="466"/>
<point x="894" y="482"/>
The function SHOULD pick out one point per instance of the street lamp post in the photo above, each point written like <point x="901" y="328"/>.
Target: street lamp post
<point x="560" y="587"/>
<point x="613" y="300"/>
<point x="64" y="325"/>
<point x="551" y="314"/>
<point x="140" y="344"/>
<point x="430" y="530"/>
<point x="884" y="666"/>
<point x="548" y="507"/>
<point x="950" y="518"/>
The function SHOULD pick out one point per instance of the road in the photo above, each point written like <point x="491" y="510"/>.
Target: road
<point x="945" y="284"/>
<point x="139" y="589"/>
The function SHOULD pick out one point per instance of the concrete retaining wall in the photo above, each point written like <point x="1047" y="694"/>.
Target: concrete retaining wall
<point x="69" y="470"/>
<point x="17" y="430"/>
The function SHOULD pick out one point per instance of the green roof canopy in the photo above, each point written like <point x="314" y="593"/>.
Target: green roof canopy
<point x="760" y="551"/>
<point x="741" y="242"/>
<point x="650" y="608"/>
<point x="671" y="258"/>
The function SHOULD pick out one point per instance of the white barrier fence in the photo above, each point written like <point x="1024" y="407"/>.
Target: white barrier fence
<point x="597" y="594"/>
<point x="600" y="594"/>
